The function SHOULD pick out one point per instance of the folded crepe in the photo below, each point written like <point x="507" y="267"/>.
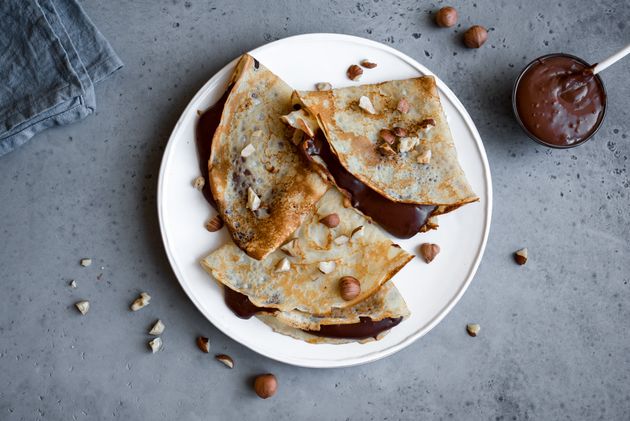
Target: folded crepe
<point x="418" y="167"/>
<point x="262" y="187"/>
<point x="304" y="274"/>
<point x="371" y="319"/>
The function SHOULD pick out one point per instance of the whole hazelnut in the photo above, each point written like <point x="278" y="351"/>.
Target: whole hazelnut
<point x="429" y="251"/>
<point x="349" y="288"/>
<point x="265" y="385"/>
<point x="475" y="36"/>
<point x="446" y="17"/>
<point x="331" y="221"/>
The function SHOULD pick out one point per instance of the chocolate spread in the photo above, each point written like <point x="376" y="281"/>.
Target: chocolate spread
<point x="239" y="303"/>
<point x="402" y="220"/>
<point x="559" y="100"/>
<point x="366" y="328"/>
<point x="206" y="126"/>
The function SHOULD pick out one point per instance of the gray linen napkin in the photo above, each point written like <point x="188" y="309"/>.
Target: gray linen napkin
<point x="51" y="55"/>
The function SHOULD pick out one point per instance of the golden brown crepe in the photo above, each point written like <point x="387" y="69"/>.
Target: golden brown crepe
<point x="252" y="155"/>
<point x="353" y="134"/>
<point x="368" y="255"/>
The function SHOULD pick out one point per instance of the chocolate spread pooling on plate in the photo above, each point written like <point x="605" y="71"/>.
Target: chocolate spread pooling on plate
<point x="402" y="220"/>
<point x="204" y="132"/>
<point x="239" y="303"/>
<point x="559" y="100"/>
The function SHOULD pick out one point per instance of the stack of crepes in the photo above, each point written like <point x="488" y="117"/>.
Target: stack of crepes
<point x="282" y="162"/>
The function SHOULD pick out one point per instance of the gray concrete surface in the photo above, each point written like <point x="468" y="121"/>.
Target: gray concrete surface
<point x="555" y="339"/>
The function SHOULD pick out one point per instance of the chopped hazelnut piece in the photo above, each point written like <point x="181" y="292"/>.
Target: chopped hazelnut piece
<point x="388" y="136"/>
<point x="248" y="150"/>
<point x="368" y="64"/>
<point x="283" y="265"/>
<point x="521" y="256"/>
<point x="399" y="132"/>
<point x="214" y="224"/>
<point x="424" y="157"/>
<point x="366" y="105"/>
<point x="342" y="239"/>
<point x="253" y="201"/>
<point x="83" y="307"/>
<point x="73" y="284"/>
<point x="199" y="183"/>
<point x="141" y="302"/>
<point x="157" y="329"/>
<point x="85" y="262"/>
<point x="291" y="247"/>
<point x="326" y="267"/>
<point x="385" y="149"/>
<point x="323" y="86"/>
<point x="155" y="344"/>
<point x="203" y="343"/>
<point x="403" y="106"/>
<point x="225" y="359"/>
<point x="354" y="72"/>
<point x="473" y="329"/>
<point x="407" y="143"/>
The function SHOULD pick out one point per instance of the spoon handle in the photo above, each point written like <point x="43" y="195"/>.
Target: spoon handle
<point x="612" y="59"/>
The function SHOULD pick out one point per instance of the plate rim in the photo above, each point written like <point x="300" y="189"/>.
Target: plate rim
<point x="408" y="340"/>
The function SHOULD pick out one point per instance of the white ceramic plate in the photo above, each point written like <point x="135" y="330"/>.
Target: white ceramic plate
<point x="431" y="291"/>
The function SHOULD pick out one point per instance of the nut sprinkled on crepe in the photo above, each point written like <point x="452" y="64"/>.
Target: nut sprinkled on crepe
<point x="386" y="150"/>
<point x="323" y="86"/>
<point x="283" y="265"/>
<point x="291" y="247"/>
<point x="248" y="150"/>
<point x="403" y="106"/>
<point x="388" y="136"/>
<point x="331" y="221"/>
<point x="399" y="132"/>
<point x="354" y="72"/>
<point x="349" y="288"/>
<point x="366" y="105"/>
<point x="406" y="144"/>
<point x="424" y="157"/>
<point x="253" y="201"/>
<point x="326" y="267"/>
<point x="342" y="239"/>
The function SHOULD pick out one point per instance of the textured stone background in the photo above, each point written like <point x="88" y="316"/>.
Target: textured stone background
<point x="554" y="344"/>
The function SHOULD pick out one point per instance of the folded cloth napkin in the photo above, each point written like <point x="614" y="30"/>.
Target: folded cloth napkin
<point x="51" y="55"/>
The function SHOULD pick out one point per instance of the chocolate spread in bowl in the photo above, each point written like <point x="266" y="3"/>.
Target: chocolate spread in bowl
<point x="559" y="101"/>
